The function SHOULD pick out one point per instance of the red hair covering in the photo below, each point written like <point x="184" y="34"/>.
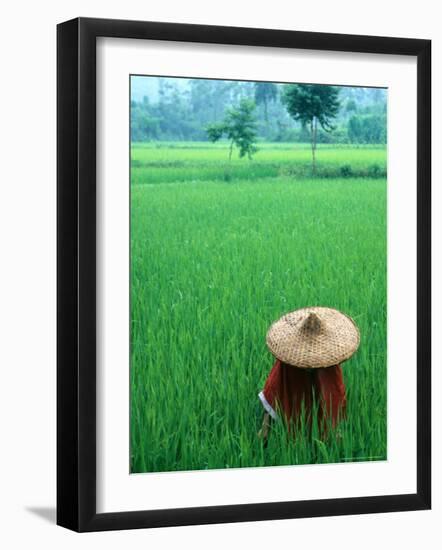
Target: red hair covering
<point x="288" y="389"/>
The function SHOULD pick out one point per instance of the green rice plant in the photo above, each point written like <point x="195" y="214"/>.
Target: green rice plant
<point x="187" y="162"/>
<point x="216" y="259"/>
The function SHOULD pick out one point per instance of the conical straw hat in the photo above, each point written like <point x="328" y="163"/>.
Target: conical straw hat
<point x="313" y="337"/>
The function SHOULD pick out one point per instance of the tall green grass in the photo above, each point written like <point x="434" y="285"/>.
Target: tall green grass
<point x="213" y="263"/>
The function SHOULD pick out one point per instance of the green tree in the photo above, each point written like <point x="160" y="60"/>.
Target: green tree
<point x="312" y="104"/>
<point x="265" y="92"/>
<point x="355" y="129"/>
<point x="351" y="106"/>
<point x="367" y="129"/>
<point x="239" y="126"/>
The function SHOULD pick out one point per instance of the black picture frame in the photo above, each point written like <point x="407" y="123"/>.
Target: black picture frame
<point x="77" y="287"/>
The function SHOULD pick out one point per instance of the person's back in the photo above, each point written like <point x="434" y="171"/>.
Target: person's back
<point x="305" y="381"/>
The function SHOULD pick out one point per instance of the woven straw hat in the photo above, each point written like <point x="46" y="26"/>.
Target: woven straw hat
<point x="313" y="337"/>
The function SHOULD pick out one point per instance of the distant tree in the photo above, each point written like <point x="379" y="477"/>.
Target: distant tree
<point x="351" y="106"/>
<point x="367" y="129"/>
<point x="355" y="130"/>
<point x="312" y="104"/>
<point x="265" y="92"/>
<point x="239" y="126"/>
<point x="143" y="124"/>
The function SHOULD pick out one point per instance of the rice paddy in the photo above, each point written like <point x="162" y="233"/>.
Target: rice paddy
<point x="219" y="250"/>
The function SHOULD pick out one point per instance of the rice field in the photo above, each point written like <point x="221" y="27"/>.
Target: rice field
<point x="220" y="250"/>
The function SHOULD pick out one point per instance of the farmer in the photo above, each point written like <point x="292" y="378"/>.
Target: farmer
<point x="309" y="345"/>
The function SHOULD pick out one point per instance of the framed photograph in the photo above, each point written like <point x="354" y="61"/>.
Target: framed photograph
<point x="243" y="274"/>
